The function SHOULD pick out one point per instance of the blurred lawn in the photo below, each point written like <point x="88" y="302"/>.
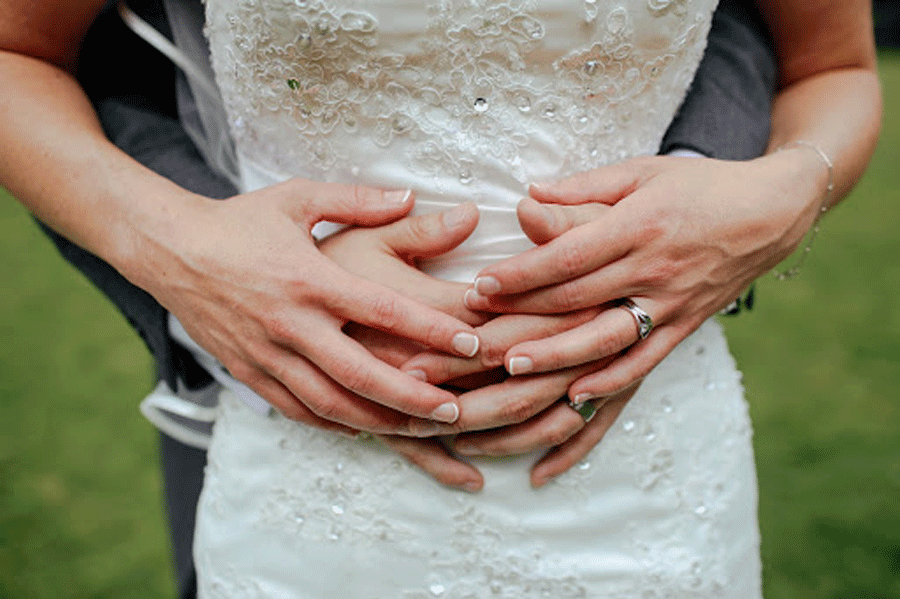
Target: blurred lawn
<point x="80" y="495"/>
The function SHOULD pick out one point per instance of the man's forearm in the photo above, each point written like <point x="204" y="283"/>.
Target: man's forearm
<point x="727" y="111"/>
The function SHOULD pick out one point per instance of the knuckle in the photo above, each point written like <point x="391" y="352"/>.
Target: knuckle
<point x="354" y="376"/>
<point x="661" y="272"/>
<point x="324" y="408"/>
<point x="516" y="410"/>
<point x="491" y="354"/>
<point x="558" y="434"/>
<point x="570" y="259"/>
<point x="421" y="228"/>
<point x="384" y="311"/>
<point x="570" y="295"/>
<point x="359" y="196"/>
<point x="278" y="330"/>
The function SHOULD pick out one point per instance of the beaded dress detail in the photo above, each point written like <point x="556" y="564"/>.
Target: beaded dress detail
<point x="472" y="100"/>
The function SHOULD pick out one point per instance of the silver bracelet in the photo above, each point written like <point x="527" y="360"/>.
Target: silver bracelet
<point x="823" y="207"/>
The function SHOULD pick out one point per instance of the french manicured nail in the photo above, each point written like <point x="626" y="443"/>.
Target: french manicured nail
<point x="447" y="412"/>
<point x="417" y="374"/>
<point x="540" y="186"/>
<point x="425" y="428"/>
<point x="466" y="449"/>
<point x="453" y="218"/>
<point x="471" y="298"/>
<point x="400" y="196"/>
<point x="487" y="286"/>
<point x="466" y="344"/>
<point x="519" y="365"/>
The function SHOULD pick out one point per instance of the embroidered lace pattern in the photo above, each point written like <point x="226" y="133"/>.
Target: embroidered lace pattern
<point x="467" y="83"/>
<point x="344" y="493"/>
<point x="454" y="97"/>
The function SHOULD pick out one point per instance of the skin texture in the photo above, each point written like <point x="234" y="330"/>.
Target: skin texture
<point x="683" y="237"/>
<point x="291" y="322"/>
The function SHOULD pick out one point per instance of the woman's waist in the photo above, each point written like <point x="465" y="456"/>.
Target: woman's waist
<point x="498" y="234"/>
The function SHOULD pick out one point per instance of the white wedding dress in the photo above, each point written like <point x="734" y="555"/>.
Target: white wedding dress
<point x="471" y="100"/>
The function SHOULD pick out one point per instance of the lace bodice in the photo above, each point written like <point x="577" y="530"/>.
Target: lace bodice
<point x="456" y="99"/>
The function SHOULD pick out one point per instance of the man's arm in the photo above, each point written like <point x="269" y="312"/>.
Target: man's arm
<point x="727" y="111"/>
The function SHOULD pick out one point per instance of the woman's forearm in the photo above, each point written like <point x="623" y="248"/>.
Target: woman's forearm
<point x="829" y="92"/>
<point x="840" y="112"/>
<point x="58" y="162"/>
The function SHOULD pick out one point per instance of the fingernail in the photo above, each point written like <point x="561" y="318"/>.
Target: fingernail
<point x="401" y="196"/>
<point x="472" y="487"/>
<point x="447" y="412"/>
<point x="540" y="186"/>
<point x="417" y="374"/>
<point x="424" y="428"/>
<point x="453" y="218"/>
<point x="466" y="344"/>
<point x="471" y="298"/>
<point x="466" y="449"/>
<point x="520" y="365"/>
<point x="487" y="286"/>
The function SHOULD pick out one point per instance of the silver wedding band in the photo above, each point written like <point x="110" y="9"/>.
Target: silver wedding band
<point x="643" y="320"/>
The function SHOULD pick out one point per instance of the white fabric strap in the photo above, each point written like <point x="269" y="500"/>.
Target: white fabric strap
<point x="146" y="32"/>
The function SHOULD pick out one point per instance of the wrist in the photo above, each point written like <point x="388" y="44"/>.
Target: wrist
<point x="150" y="232"/>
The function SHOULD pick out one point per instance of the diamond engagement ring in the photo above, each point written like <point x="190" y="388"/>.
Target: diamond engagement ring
<point x="585" y="409"/>
<point x="643" y="320"/>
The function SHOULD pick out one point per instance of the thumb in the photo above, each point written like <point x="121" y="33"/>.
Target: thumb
<point x="309" y="202"/>
<point x="545" y="222"/>
<point x="606" y="185"/>
<point x="429" y="235"/>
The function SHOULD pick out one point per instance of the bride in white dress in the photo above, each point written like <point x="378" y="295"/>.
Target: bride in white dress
<point x="467" y="100"/>
<point x="460" y="102"/>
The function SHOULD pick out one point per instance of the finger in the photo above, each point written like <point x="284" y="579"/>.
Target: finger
<point x="311" y="201"/>
<point x="430" y="456"/>
<point x="550" y="428"/>
<point x="514" y="400"/>
<point x="632" y="366"/>
<point x="606" y="185"/>
<point x="354" y="368"/>
<point x="320" y="395"/>
<point x="609" y="333"/>
<point x="497" y="337"/>
<point x="280" y="398"/>
<point x="611" y="282"/>
<point x="561" y="458"/>
<point x="354" y="298"/>
<point x="544" y="222"/>
<point x="429" y="235"/>
<point x="573" y="254"/>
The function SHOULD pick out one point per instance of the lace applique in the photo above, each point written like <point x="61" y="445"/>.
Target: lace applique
<point x="303" y="79"/>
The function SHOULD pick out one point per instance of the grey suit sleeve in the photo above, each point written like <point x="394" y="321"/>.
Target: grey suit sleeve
<point x="727" y="111"/>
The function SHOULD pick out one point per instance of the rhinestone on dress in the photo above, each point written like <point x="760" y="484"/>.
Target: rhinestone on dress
<point x="481" y="104"/>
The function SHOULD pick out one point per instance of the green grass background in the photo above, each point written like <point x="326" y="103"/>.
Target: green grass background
<point x="80" y="498"/>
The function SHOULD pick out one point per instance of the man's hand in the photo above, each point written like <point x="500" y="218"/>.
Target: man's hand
<point x="246" y="279"/>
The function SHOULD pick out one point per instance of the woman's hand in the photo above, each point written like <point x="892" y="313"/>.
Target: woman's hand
<point x="389" y="254"/>
<point x="681" y="237"/>
<point x="246" y="279"/>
